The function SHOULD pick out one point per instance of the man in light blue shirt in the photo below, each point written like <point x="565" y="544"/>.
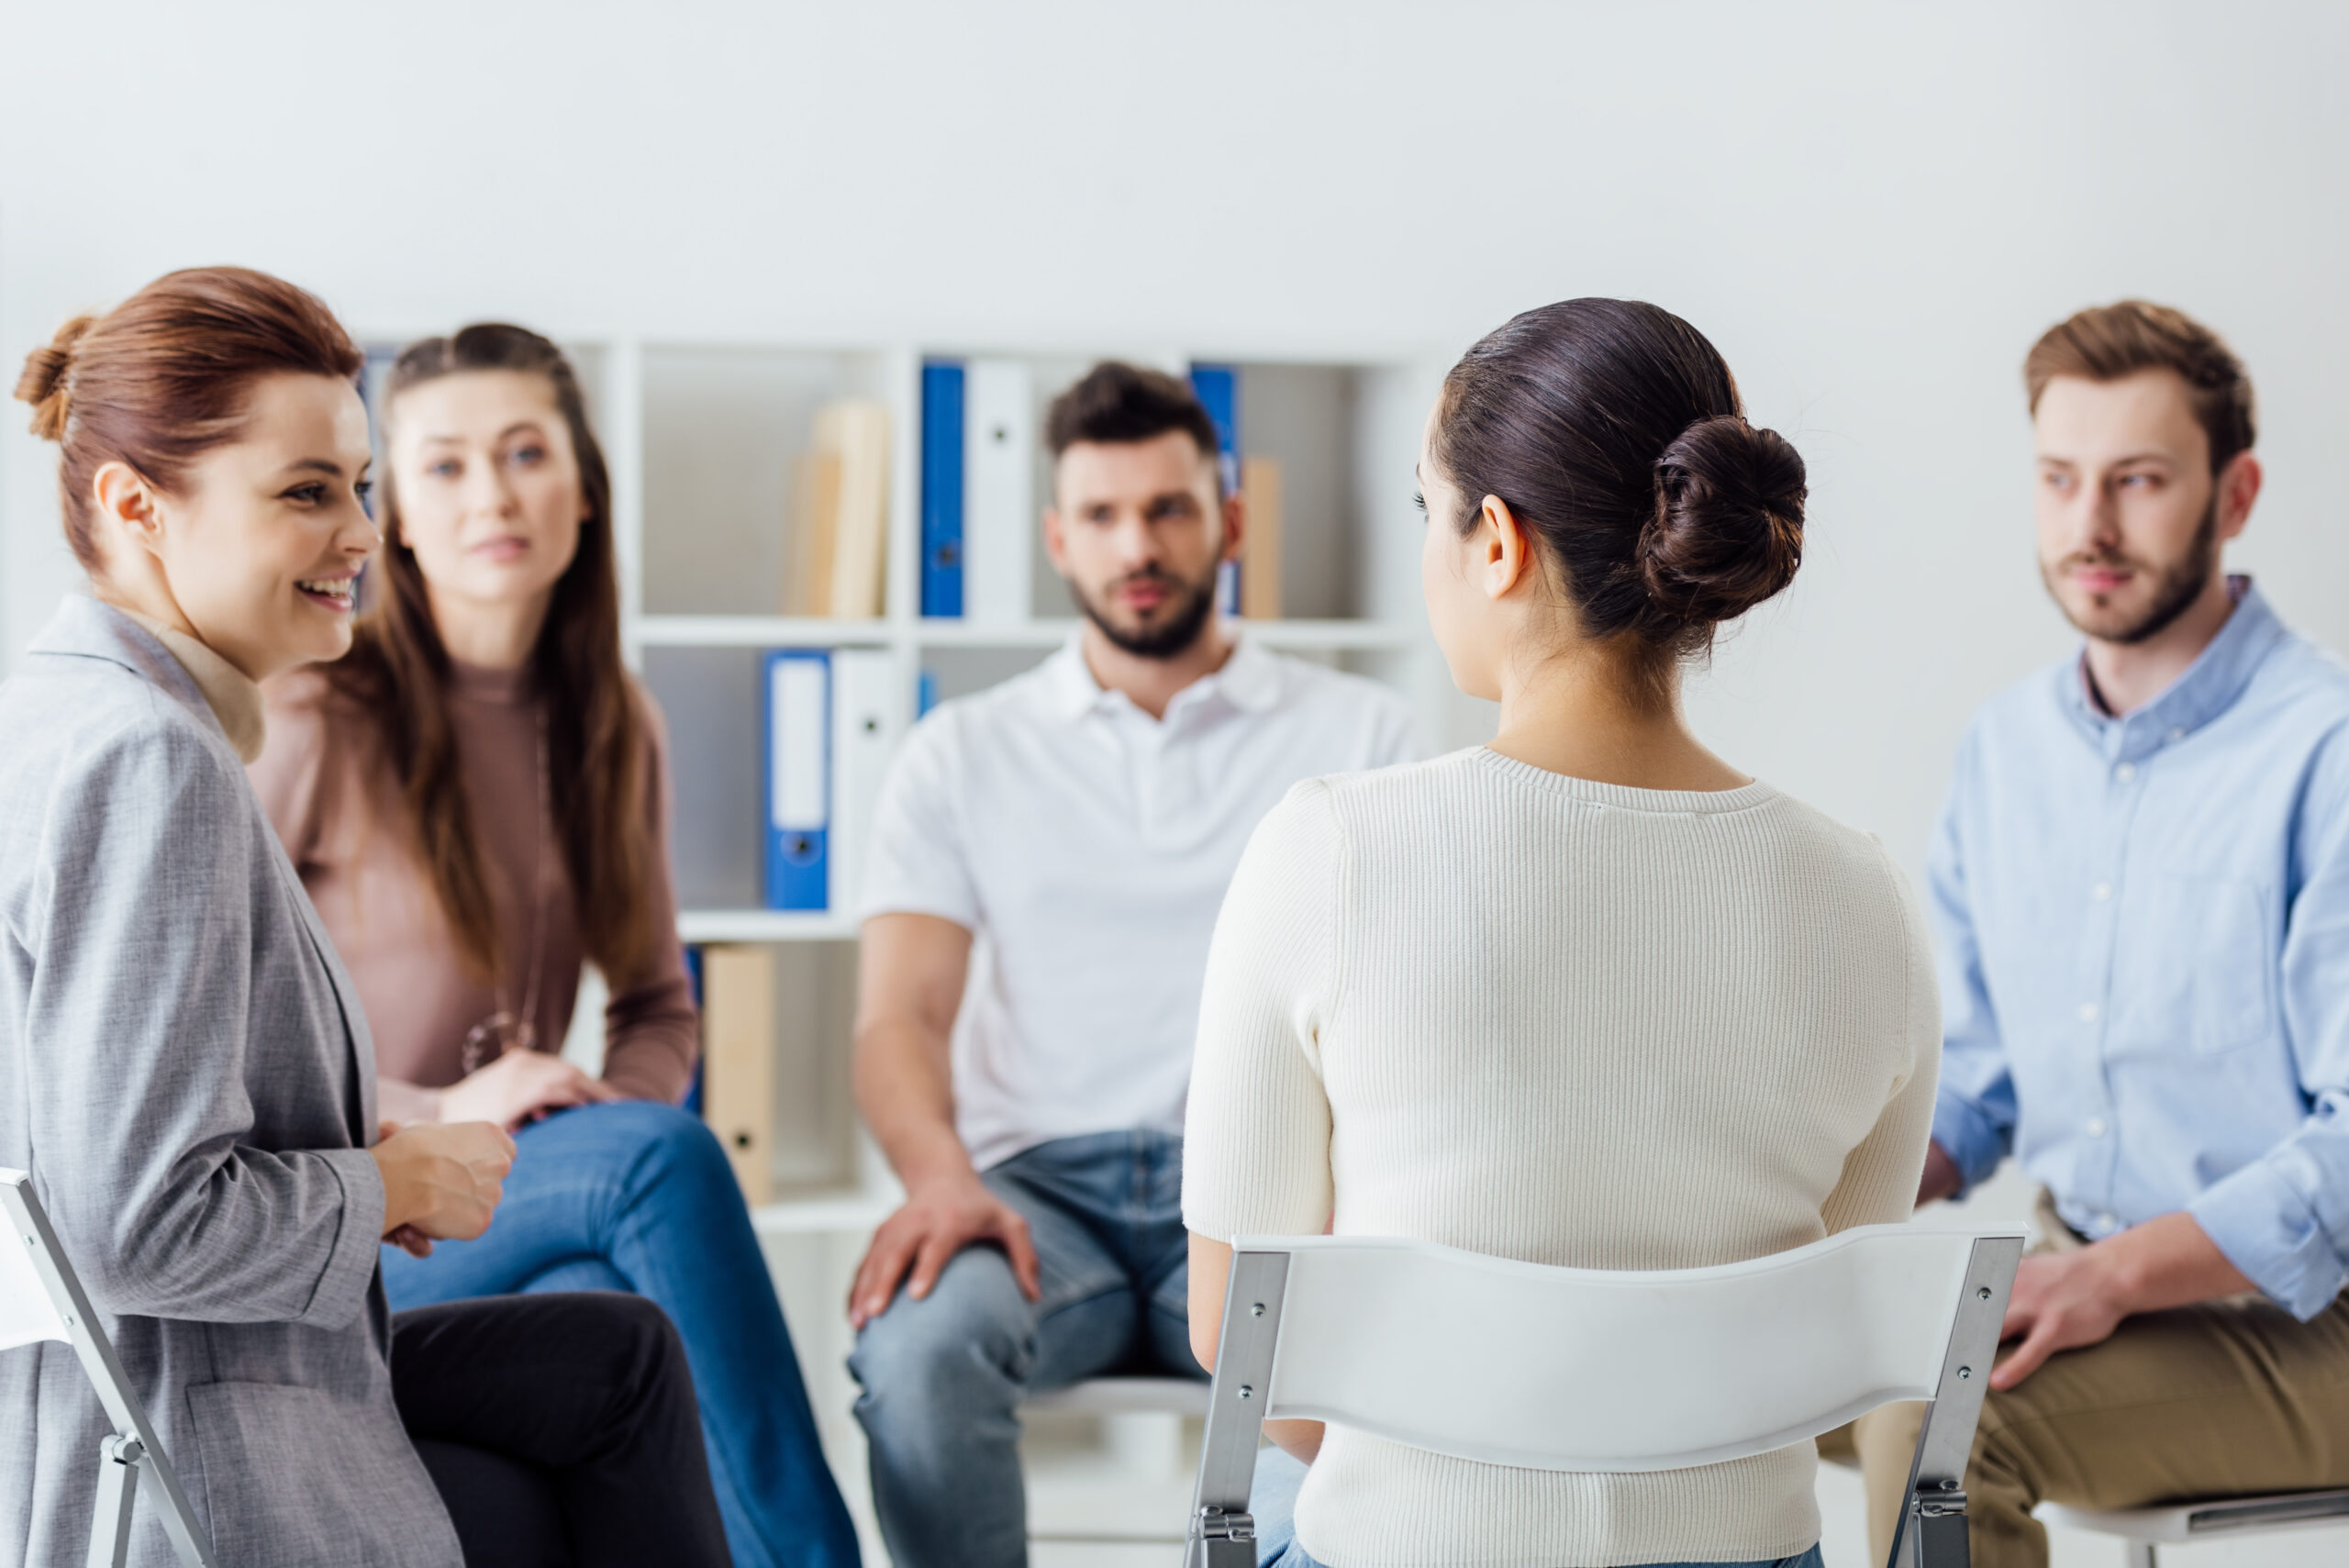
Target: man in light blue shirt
<point x="2141" y="883"/>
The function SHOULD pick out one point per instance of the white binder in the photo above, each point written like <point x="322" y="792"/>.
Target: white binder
<point x="868" y="715"/>
<point x="999" y="518"/>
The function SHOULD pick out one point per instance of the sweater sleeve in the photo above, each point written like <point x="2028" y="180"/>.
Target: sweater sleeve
<point x="1256" y="1137"/>
<point x="651" y="1032"/>
<point x="286" y="773"/>
<point x="295" y="786"/>
<point x="1880" y="1176"/>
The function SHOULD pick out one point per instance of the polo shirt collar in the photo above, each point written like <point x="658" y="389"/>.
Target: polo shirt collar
<point x="1250" y="680"/>
<point x="2208" y="688"/>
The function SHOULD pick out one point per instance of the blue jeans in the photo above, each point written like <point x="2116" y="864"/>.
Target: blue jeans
<point x="637" y="1196"/>
<point x="943" y="1376"/>
<point x="1271" y="1499"/>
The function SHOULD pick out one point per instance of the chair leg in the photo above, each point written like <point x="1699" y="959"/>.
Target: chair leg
<point x="117" y="1494"/>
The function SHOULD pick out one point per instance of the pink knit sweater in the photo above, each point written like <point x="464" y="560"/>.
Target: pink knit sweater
<point x="323" y="778"/>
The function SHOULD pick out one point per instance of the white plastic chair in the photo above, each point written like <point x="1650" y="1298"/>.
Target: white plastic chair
<point x="2215" y="1518"/>
<point x="1513" y="1364"/>
<point x="40" y="1299"/>
<point x="1124" y="1396"/>
<point x="1141" y="1421"/>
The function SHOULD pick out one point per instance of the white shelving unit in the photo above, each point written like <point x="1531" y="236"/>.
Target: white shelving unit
<point x="700" y="439"/>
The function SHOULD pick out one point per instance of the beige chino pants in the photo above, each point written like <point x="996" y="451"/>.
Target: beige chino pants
<point x="2227" y="1398"/>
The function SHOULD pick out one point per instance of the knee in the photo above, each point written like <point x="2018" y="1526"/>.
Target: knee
<point x="628" y="1335"/>
<point x="970" y="1338"/>
<point x="668" y="1145"/>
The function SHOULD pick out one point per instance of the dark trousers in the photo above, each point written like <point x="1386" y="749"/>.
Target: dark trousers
<point x="560" y="1430"/>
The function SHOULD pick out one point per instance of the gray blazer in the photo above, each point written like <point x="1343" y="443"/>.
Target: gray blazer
<point x="185" y="1071"/>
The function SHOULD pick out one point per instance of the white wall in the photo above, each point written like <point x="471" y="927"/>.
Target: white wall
<point x="1871" y="210"/>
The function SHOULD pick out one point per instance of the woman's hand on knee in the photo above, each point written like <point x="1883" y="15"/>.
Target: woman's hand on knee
<point x="442" y="1180"/>
<point x="521" y="1087"/>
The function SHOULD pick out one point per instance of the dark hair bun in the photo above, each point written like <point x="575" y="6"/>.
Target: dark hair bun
<point x="1727" y="532"/>
<point x="43" y="383"/>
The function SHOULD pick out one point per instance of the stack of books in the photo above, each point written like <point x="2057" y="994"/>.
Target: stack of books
<point x="839" y="525"/>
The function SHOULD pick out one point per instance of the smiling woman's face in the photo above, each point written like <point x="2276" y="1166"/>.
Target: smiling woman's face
<point x="261" y="540"/>
<point x="489" y="486"/>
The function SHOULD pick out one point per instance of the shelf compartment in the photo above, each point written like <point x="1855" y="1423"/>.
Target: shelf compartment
<point x="1334" y="635"/>
<point x="745" y="926"/>
<point x="845" y="1212"/>
<point x="759" y="631"/>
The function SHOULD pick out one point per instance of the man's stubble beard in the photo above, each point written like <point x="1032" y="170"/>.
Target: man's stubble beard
<point x="2176" y="585"/>
<point x="1171" y="637"/>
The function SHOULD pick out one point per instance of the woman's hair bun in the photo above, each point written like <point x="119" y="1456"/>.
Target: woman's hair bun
<point x="43" y="383"/>
<point x="1727" y="532"/>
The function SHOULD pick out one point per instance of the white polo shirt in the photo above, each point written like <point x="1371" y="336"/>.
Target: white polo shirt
<point x="1088" y="847"/>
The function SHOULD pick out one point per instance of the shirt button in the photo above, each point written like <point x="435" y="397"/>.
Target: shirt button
<point x="2176" y="735"/>
<point x="2125" y="771"/>
<point x="2101" y="891"/>
<point x="2095" y="1127"/>
<point x="2087" y="1012"/>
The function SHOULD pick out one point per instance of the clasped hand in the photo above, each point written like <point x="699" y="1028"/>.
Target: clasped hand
<point x="442" y="1180"/>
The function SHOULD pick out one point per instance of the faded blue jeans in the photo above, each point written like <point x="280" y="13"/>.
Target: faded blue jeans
<point x="1271" y="1499"/>
<point x="637" y="1196"/>
<point x="943" y="1376"/>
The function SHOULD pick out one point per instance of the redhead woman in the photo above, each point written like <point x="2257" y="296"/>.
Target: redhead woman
<point x="476" y="797"/>
<point x="1589" y="996"/>
<point x="184" y="1066"/>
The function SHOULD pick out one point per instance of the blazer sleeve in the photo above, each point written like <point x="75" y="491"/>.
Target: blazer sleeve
<point x="140" y="1022"/>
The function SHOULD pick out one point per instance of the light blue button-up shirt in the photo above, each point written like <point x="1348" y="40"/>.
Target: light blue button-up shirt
<point x="2145" y="953"/>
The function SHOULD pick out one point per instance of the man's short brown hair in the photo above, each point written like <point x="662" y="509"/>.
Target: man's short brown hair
<point x="1117" y="404"/>
<point x="2110" y="342"/>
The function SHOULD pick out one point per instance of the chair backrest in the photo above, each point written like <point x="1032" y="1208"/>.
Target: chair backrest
<point x="1514" y="1363"/>
<point x="30" y="1308"/>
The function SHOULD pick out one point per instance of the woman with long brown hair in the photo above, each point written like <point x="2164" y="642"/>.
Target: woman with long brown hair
<point x="184" y="1068"/>
<point x="475" y="798"/>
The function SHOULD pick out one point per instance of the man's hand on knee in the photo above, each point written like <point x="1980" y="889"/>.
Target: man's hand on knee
<point x="2065" y="1300"/>
<point x="938" y="1221"/>
<point x="2060" y="1303"/>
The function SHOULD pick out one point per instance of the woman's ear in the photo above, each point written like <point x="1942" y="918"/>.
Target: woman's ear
<point x="128" y="502"/>
<point x="1504" y="550"/>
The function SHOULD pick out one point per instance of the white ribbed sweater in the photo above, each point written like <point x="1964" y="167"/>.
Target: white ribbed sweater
<point x="1478" y="1002"/>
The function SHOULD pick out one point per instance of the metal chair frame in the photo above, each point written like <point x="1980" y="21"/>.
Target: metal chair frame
<point x="1246" y="1391"/>
<point x="130" y="1459"/>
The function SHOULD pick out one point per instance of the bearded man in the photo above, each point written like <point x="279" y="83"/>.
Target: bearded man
<point x="2141" y="881"/>
<point x="1076" y="826"/>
